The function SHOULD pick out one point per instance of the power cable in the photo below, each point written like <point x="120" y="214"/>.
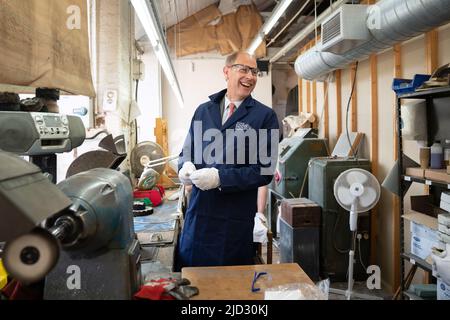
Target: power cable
<point x="348" y="111"/>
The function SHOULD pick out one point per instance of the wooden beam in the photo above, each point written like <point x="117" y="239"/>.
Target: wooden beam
<point x="374" y="151"/>
<point x="326" y="121"/>
<point x="395" y="200"/>
<point x="398" y="72"/>
<point x="300" y="95"/>
<point x="431" y="49"/>
<point x="338" y="74"/>
<point x="354" y="99"/>
<point x="161" y="134"/>
<point x="431" y="53"/>
<point x="314" y="102"/>
<point x="308" y="96"/>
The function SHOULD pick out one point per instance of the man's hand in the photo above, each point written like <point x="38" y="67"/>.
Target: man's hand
<point x="260" y="229"/>
<point x="185" y="173"/>
<point x="206" y="179"/>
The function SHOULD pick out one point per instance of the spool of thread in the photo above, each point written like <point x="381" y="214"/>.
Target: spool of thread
<point x="447" y="153"/>
<point x="424" y="155"/>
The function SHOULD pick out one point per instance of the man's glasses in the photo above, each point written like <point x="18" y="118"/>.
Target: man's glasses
<point x="242" y="68"/>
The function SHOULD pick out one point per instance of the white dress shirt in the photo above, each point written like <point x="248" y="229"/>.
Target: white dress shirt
<point x="226" y="109"/>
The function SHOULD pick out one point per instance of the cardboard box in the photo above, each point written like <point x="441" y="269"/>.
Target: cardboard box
<point x="437" y="175"/>
<point x="422" y="247"/>
<point x="443" y="290"/>
<point x="444" y="205"/>
<point x="421" y="218"/>
<point x="444" y="229"/>
<point x="445" y="238"/>
<point x="419" y="230"/>
<point x="444" y="219"/>
<point x="445" y="196"/>
<point x="415" y="172"/>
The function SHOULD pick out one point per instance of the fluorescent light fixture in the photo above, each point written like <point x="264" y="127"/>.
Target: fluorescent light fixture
<point x="277" y="13"/>
<point x="269" y="24"/>
<point x="255" y="43"/>
<point x="144" y="11"/>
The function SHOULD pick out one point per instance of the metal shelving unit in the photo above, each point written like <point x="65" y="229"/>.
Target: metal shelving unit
<point x="438" y="116"/>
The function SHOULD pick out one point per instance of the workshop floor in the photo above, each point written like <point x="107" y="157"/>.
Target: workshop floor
<point x="359" y="287"/>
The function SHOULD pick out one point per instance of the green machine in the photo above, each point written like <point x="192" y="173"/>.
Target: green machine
<point x="335" y="235"/>
<point x="294" y="154"/>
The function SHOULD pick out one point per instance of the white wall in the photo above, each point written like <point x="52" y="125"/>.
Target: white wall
<point x="114" y="56"/>
<point x="149" y="96"/>
<point x="199" y="78"/>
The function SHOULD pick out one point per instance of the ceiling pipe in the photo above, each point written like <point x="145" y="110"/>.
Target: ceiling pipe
<point x="306" y="31"/>
<point x="397" y="21"/>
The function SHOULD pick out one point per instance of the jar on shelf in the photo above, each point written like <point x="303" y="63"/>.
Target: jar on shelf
<point x="437" y="155"/>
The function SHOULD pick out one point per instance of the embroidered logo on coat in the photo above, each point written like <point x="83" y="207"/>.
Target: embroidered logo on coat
<point x="243" y="126"/>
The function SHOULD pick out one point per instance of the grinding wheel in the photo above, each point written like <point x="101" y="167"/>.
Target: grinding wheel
<point x="119" y="141"/>
<point x="31" y="257"/>
<point x="95" y="159"/>
<point x="142" y="154"/>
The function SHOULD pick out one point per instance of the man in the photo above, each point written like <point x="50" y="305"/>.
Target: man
<point x="218" y="227"/>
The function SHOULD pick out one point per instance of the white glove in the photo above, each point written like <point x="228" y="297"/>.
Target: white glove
<point x="206" y="179"/>
<point x="185" y="173"/>
<point x="260" y="229"/>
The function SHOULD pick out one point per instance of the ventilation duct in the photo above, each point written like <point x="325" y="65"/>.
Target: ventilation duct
<point x="390" y="22"/>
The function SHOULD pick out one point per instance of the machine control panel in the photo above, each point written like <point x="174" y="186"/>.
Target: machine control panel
<point x="51" y="125"/>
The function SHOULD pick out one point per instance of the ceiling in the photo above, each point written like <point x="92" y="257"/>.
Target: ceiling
<point x="171" y="12"/>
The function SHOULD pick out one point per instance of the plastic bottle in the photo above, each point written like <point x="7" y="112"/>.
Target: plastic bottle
<point x="437" y="155"/>
<point x="447" y="153"/>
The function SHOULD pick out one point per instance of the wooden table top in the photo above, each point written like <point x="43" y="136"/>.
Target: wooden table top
<point x="235" y="282"/>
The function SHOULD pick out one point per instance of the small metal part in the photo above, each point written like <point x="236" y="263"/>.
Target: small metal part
<point x="30" y="255"/>
<point x="143" y="154"/>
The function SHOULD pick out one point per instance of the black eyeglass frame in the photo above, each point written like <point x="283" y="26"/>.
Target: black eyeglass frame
<point x="242" y="67"/>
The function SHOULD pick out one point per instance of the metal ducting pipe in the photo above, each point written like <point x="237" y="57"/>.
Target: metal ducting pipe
<point x="400" y="20"/>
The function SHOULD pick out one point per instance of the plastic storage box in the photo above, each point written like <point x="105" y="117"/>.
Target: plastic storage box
<point x="402" y="86"/>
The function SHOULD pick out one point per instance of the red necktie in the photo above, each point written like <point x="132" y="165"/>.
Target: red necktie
<point x="231" y="110"/>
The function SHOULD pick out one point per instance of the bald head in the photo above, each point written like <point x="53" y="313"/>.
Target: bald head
<point x="231" y="59"/>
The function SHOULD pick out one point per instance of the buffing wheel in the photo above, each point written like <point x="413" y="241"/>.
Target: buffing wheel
<point x="31" y="257"/>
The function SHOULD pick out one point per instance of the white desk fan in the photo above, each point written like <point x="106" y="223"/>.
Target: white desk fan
<point x="357" y="191"/>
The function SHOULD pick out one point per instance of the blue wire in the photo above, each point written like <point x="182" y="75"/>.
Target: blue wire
<point x="255" y="278"/>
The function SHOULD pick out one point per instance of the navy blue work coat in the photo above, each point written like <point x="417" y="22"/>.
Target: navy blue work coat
<point x="218" y="226"/>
